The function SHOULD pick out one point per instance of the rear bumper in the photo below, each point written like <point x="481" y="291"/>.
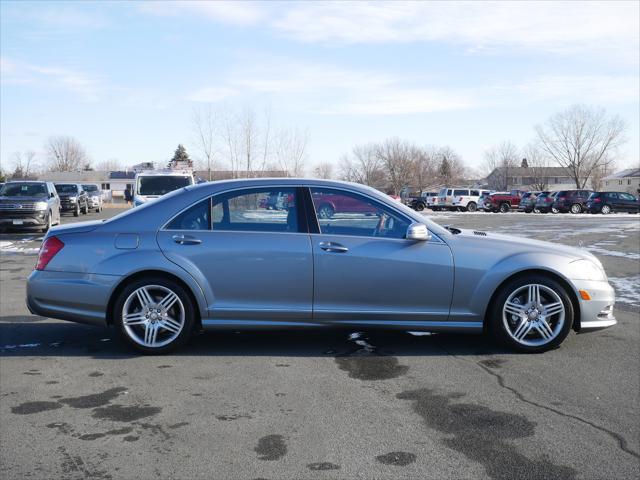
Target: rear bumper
<point x="597" y="313"/>
<point x="76" y="297"/>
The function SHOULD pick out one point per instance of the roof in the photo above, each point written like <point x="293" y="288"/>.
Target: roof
<point x="120" y="175"/>
<point x="628" y="173"/>
<point x="537" y="171"/>
<point x="75" y="177"/>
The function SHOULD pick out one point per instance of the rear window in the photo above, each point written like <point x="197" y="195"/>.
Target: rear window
<point x="161" y="184"/>
<point x="66" y="188"/>
<point x="23" y="189"/>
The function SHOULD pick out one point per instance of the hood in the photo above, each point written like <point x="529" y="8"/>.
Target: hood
<point x="505" y="243"/>
<point x="78" y="227"/>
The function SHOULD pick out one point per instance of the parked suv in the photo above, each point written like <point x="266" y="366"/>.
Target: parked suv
<point x="29" y="204"/>
<point x="422" y="201"/>
<point x="528" y="202"/>
<point x="95" y="196"/>
<point x="466" y="199"/>
<point x="73" y="198"/>
<point x="607" y="202"/>
<point x="573" y="201"/>
<point x="544" y="202"/>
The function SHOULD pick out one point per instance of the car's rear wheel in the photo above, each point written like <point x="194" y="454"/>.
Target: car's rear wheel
<point x="472" y="207"/>
<point x="554" y="210"/>
<point x="76" y="212"/>
<point x="532" y="314"/>
<point x="154" y="315"/>
<point x="576" y="208"/>
<point x="504" y="207"/>
<point x="419" y="207"/>
<point x="606" y="210"/>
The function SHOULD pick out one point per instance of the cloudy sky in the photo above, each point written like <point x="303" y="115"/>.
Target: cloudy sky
<point x="125" y="77"/>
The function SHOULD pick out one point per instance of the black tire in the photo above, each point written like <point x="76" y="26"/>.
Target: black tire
<point x="47" y="226"/>
<point x="495" y="319"/>
<point x="85" y="210"/>
<point x="504" y="207"/>
<point x="435" y="209"/>
<point x="472" y="207"/>
<point x="419" y="207"/>
<point x="190" y="315"/>
<point x="76" y="212"/>
<point x="325" y="211"/>
<point x="554" y="210"/>
<point x="575" y="208"/>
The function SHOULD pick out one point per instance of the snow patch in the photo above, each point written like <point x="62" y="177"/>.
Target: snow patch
<point x="627" y="289"/>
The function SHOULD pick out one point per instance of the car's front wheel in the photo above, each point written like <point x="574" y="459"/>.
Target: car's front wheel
<point x="47" y="225"/>
<point x="472" y="207"/>
<point x="532" y="314"/>
<point x="504" y="207"/>
<point x="154" y="315"/>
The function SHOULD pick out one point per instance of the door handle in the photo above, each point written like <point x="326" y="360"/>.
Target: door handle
<point x="186" y="240"/>
<point x="333" y="247"/>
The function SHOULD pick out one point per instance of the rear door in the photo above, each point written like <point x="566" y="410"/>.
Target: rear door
<point x="257" y="262"/>
<point x="365" y="270"/>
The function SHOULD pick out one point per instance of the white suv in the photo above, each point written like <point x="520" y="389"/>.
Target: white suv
<point x="466" y="199"/>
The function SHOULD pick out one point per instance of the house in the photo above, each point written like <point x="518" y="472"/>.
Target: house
<point x="625" y="181"/>
<point x="531" y="178"/>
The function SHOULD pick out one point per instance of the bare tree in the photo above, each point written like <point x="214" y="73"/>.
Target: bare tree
<point x="537" y="166"/>
<point x="598" y="174"/>
<point x="291" y="151"/>
<point x="582" y="139"/>
<point x="363" y="166"/>
<point x="109" y="165"/>
<point x="323" y="170"/>
<point x="205" y="127"/>
<point x="398" y="158"/>
<point x="501" y="160"/>
<point x="425" y="168"/>
<point x="451" y="169"/>
<point x="25" y="164"/>
<point x="66" y="154"/>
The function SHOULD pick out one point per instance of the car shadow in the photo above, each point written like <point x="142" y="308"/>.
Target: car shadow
<point x="35" y="336"/>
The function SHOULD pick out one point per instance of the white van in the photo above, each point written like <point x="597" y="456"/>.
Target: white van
<point x="152" y="184"/>
<point x="466" y="199"/>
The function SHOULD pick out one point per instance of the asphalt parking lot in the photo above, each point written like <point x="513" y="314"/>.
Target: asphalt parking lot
<point x="74" y="403"/>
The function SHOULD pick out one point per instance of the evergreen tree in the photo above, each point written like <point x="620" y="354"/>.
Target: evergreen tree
<point x="180" y="157"/>
<point x="524" y="163"/>
<point x="445" y="170"/>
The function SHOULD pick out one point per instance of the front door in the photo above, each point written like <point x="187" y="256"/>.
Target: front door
<point x="256" y="260"/>
<point x="366" y="271"/>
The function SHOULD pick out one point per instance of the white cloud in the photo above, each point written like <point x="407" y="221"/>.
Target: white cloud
<point x="561" y="27"/>
<point x="87" y="87"/>
<point x="231" y="12"/>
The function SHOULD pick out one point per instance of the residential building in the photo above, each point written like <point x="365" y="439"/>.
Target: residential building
<point x="625" y="181"/>
<point x="531" y="178"/>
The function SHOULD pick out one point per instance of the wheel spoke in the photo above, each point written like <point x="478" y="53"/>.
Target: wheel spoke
<point x="171" y="325"/>
<point x="144" y="297"/>
<point x="534" y="294"/>
<point x="514" y="309"/>
<point x="544" y="326"/>
<point x="168" y="301"/>
<point x="553" y="308"/>
<point x="135" y="318"/>
<point x="150" y="334"/>
<point x="522" y="330"/>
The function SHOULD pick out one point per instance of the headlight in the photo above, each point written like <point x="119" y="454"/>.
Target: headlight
<point x="587" y="270"/>
<point x="41" y="205"/>
<point x="72" y="199"/>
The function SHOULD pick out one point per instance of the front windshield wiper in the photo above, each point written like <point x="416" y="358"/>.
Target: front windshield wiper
<point x="453" y="230"/>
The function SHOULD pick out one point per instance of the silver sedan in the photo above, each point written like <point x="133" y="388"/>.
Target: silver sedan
<point x="226" y="255"/>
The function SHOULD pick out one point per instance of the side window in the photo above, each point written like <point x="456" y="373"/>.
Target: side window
<point x="258" y="209"/>
<point x="193" y="218"/>
<point x="612" y="196"/>
<point x="628" y="196"/>
<point x="341" y="212"/>
<point x="474" y="193"/>
<point x="460" y="193"/>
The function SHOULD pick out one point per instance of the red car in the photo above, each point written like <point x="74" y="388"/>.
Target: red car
<point x="503" y="202"/>
<point x="327" y="205"/>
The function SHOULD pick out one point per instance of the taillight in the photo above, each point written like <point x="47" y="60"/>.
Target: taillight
<point x="596" y="200"/>
<point x="48" y="250"/>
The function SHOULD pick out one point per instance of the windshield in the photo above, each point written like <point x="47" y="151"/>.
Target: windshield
<point x="23" y="190"/>
<point x="90" y="188"/>
<point x="66" y="188"/>
<point x="161" y="184"/>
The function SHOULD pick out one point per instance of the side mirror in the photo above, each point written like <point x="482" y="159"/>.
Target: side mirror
<point x="52" y="194"/>
<point x="418" y="232"/>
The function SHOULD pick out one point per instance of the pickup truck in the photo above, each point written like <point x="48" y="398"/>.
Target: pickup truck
<point x="503" y="202"/>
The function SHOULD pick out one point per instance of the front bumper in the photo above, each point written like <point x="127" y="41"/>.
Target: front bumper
<point x="23" y="219"/>
<point x="94" y="202"/>
<point x="597" y="313"/>
<point x="77" y="297"/>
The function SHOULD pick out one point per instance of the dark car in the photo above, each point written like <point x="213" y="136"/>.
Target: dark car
<point x="544" y="202"/>
<point x="608" y="202"/>
<point x="528" y="201"/>
<point x="29" y="204"/>
<point x="420" y="203"/>
<point x="73" y="198"/>
<point x="573" y="201"/>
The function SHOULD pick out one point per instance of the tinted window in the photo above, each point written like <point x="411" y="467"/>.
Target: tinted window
<point x="159" y="185"/>
<point x="612" y="195"/>
<point x="66" y="188"/>
<point x="264" y="210"/>
<point x="341" y="212"/>
<point x="23" y="189"/>
<point x="194" y="218"/>
<point x="442" y="192"/>
<point x="474" y="193"/>
<point x="627" y="196"/>
<point x="90" y="188"/>
<point x="459" y="193"/>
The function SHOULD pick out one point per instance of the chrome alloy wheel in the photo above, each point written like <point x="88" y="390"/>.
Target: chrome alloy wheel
<point x="153" y="316"/>
<point x="533" y="315"/>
